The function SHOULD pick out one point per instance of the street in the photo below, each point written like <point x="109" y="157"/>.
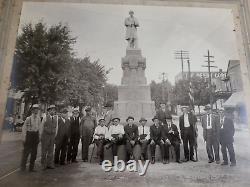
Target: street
<point x="90" y="174"/>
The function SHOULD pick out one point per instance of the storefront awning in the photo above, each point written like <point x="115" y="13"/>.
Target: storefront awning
<point x="235" y="100"/>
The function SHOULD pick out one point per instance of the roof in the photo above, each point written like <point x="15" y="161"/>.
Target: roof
<point x="235" y="100"/>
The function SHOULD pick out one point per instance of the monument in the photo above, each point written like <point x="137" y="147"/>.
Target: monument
<point x="134" y="97"/>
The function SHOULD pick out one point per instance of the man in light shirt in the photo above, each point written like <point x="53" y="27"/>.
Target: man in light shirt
<point x="99" y="138"/>
<point x="116" y="135"/>
<point x="31" y="132"/>
<point x="144" y="138"/>
<point x="211" y="132"/>
<point x="187" y="123"/>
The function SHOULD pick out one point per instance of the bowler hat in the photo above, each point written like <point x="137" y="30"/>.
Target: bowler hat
<point x="35" y="106"/>
<point x="169" y="117"/>
<point x="101" y="119"/>
<point x="130" y="117"/>
<point x="155" y="117"/>
<point x="142" y="119"/>
<point x="88" y="109"/>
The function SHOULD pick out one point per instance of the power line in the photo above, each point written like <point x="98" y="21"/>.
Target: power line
<point x="182" y="55"/>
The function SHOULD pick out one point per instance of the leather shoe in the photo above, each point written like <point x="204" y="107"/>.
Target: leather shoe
<point x="210" y="161"/>
<point x="232" y="164"/>
<point x="224" y="164"/>
<point x="192" y="159"/>
<point x="152" y="160"/>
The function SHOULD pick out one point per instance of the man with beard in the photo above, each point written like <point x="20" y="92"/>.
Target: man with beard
<point x="74" y="136"/>
<point x="131" y="136"/>
<point x="171" y="137"/>
<point x="187" y="123"/>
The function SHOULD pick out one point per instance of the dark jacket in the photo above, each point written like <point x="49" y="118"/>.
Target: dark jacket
<point x="173" y="136"/>
<point x="74" y="126"/>
<point x="86" y="128"/>
<point x="161" y="115"/>
<point x="192" y="121"/>
<point x="63" y="130"/>
<point x="131" y="133"/>
<point x="215" y="126"/>
<point x="227" y="132"/>
<point x="156" y="133"/>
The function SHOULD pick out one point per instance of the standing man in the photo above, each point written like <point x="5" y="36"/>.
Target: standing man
<point x="62" y="137"/>
<point x="116" y="135"/>
<point x="144" y="138"/>
<point x="31" y="132"/>
<point x="131" y="24"/>
<point x="108" y="115"/>
<point x="187" y="123"/>
<point x="131" y="136"/>
<point x="100" y="136"/>
<point x="227" y="138"/>
<point x="171" y="137"/>
<point x="49" y="130"/>
<point x="156" y="139"/>
<point x="211" y="134"/>
<point x="74" y="136"/>
<point x="87" y="127"/>
<point x="162" y="113"/>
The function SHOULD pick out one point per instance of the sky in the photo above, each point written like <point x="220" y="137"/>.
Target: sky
<point x="100" y="33"/>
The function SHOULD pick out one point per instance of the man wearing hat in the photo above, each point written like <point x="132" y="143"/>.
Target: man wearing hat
<point x="211" y="134"/>
<point x="227" y="138"/>
<point x="31" y="132"/>
<point x="62" y="137"/>
<point x="156" y="139"/>
<point x="87" y="127"/>
<point x="74" y="135"/>
<point x="162" y="113"/>
<point x="49" y="130"/>
<point x="187" y="125"/>
<point x="116" y="135"/>
<point x="109" y="114"/>
<point x="131" y="136"/>
<point x="99" y="138"/>
<point x="171" y="137"/>
<point x="143" y="137"/>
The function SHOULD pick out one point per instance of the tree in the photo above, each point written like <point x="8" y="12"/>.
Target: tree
<point x="43" y="55"/>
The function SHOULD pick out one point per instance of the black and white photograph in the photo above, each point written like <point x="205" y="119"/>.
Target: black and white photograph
<point x="124" y="93"/>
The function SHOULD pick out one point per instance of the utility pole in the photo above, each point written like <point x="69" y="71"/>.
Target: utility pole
<point x="163" y="77"/>
<point x="191" y="92"/>
<point x="209" y="61"/>
<point x="182" y="55"/>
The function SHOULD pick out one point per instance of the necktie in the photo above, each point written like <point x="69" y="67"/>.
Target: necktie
<point x="143" y="130"/>
<point x="208" y="120"/>
<point x="52" y="119"/>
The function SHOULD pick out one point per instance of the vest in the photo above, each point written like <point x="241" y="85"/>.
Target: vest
<point x="49" y="127"/>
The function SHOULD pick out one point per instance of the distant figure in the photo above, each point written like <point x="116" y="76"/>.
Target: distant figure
<point x="108" y="116"/>
<point x="162" y="113"/>
<point x="131" y="24"/>
<point x="227" y="138"/>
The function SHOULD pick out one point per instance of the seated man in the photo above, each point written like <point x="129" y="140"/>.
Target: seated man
<point x="156" y="139"/>
<point x="131" y="136"/>
<point x="144" y="137"/>
<point x="171" y="137"/>
<point x="99" y="138"/>
<point x="116" y="135"/>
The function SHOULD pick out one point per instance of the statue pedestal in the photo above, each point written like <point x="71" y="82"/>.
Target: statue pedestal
<point x="134" y="98"/>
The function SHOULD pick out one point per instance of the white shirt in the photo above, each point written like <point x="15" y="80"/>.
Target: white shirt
<point x="186" y="121"/>
<point x="209" y="121"/>
<point x="99" y="130"/>
<point x="146" y="131"/>
<point x="32" y="123"/>
<point x="115" y="129"/>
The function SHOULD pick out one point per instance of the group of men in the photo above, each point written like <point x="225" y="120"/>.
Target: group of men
<point x="60" y="136"/>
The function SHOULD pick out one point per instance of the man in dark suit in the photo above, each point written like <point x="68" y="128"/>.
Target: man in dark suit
<point x="187" y="123"/>
<point x="131" y="136"/>
<point x="211" y="132"/>
<point x="156" y="139"/>
<point x="62" y="137"/>
<point x="74" y="136"/>
<point x="171" y="137"/>
<point x="162" y="113"/>
<point x="227" y="138"/>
